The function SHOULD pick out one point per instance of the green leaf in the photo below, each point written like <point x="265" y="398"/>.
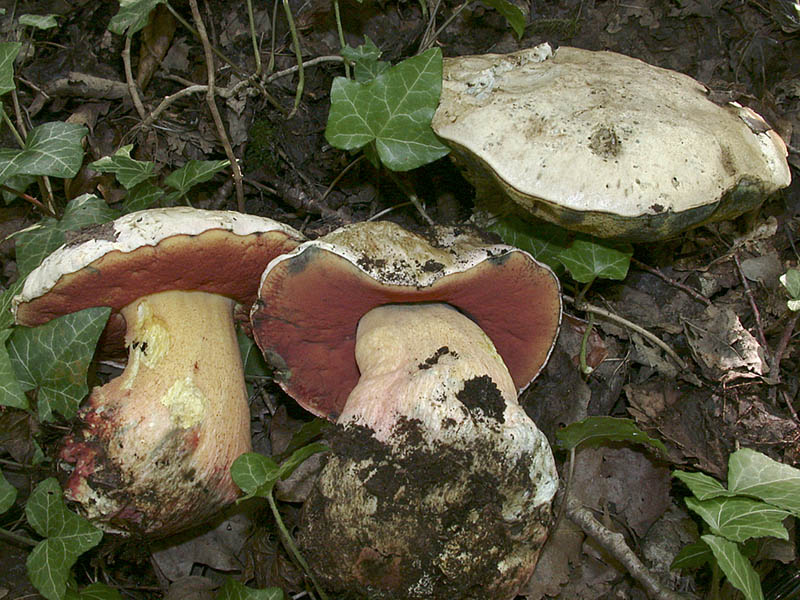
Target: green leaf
<point x="52" y="149"/>
<point x="129" y="172"/>
<point x="255" y="474"/>
<point x="512" y="13"/>
<point x="35" y="244"/>
<point x="233" y="590"/>
<point x="701" y="485"/>
<point x="599" y="430"/>
<point x="589" y="258"/>
<point x="252" y="359"/>
<point x="143" y="196"/>
<point x="11" y="393"/>
<point x="307" y="432"/>
<point x="692" y="555"/>
<point x="132" y="15"/>
<point x="298" y="457"/>
<point x="67" y="537"/>
<point x="737" y="568"/>
<point x="8" y="493"/>
<point x="752" y="473"/>
<point x="6" y="298"/>
<point x="393" y="110"/>
<point x="39" y="21"/>
<point x="95" y="591"/>
<point x="365" y="60"/>
<point x="54" y="358"/>
<point x="739" y="519"/>
<point x="194" y="172"/>
<point x="8" y="52"/>
<point x="545" y="242"/>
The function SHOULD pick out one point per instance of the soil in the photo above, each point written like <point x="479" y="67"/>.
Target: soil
<point x="706" y="294"/>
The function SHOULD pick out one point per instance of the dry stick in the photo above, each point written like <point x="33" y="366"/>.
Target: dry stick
<point x="212" y="105"/>
<point x="775" y="360"/>
<point x="585" y="306"/>
<point x="126" y="60"/>
<point x="681" y="286"/>
<point x="749" y="293"/>
<point x="614" y="544"/>
<point x="30" y="199"/>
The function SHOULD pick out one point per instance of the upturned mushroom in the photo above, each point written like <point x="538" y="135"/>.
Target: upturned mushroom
<point x="439" y="485"/>
<point x="153" y="448"/>
<point x="604" y="143"/>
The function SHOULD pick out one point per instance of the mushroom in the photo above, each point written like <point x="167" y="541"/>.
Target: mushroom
<point x="604" y="143"/>
<point x="439" y="485"/>
<point x="153" y="449"/>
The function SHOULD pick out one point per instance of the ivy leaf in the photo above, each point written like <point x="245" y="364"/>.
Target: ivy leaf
<point x="8" y="52"/>
<point x="128" y="171"/>
<point x="52" y="149"/>
<point x="194" y="172"/>
<point x="233" y="590"/>
<point x="36" y="243"/>
<point x="95" y="591"/>
<point x="255" y="474"/>
<point x="545" y="242"/>
<point x="39" y="21"/>
<point x="392" y="111"/>
<point x="752" y="473"/>
<point x="11" y="393"/>
<point x="587" y="259"/>
<point x="791" y="281"/>
<point x="54" y="358"/>
<point x="67" y="537"/>
<point x="737" y="568"/>
<point x="739" y="519"/>
<point x="132" y="16"/>
<point x="599" y="430"/>
<point x="307" y="432"/>
<point x="8" y="493"/>
<point x="512" y="13"/>
<point x="692" y="556"/>
<point x="365" y="60"/>
<point x="255" y="367"/>
<point x="701" y="485"/>
<point x="143" y="196"/>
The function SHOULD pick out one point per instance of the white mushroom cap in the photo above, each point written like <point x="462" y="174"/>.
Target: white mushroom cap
<point x="605" y="143"/>
<point x="151" y="251"/>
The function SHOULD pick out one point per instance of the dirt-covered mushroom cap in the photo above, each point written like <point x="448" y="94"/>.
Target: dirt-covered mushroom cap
<point x="153" y="449"/>
<point x="311" y="300"/>
<point x="604" y="143"/>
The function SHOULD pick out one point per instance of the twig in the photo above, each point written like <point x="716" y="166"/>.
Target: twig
<point x="17" y="539"/>
<point x="789" y="405"/>
<point x="30" y="199"/>
<point x="301" y="78"/>
<point x="614" y="544"/>
<point x="585" y="306"/>
<point x="681" y="286"/>
<point x="308" y="63"/>
<point x="212" y="105"/>
<point x="126" y="61"/>
<point x="749" y="293"/>
<point x="775" y="359"/>
<point x="338" y="178"/>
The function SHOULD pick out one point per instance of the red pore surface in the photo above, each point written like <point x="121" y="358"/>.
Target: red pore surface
<point x="306" y="318"/>
<point x="215" y="261"/>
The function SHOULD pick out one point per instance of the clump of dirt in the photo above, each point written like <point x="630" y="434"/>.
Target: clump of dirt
<point x="421" y="518"/>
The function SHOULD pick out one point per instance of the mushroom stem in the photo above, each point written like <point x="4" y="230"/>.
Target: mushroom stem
<point x="439" y="485"/>
<point x="159" y="439"/>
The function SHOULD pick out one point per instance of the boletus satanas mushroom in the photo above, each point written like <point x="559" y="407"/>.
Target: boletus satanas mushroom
<point x="603" y="143"/>
<point x="153" y="448"/>
<point x="438" y="485"/>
